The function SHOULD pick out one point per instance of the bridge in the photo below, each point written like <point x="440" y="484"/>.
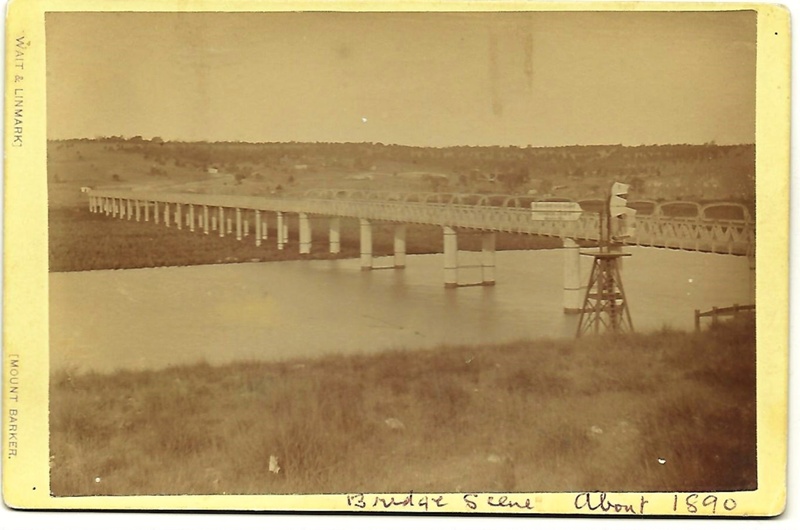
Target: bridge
<point x="725" y="228"/>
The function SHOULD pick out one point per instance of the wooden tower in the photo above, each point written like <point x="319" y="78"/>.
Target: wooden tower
<point x="605" y="307"/>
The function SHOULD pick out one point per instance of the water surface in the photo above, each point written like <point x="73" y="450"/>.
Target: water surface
<point x="153" y="318"/>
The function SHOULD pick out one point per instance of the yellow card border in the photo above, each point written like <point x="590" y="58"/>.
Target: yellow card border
<point x="25" y="316"/>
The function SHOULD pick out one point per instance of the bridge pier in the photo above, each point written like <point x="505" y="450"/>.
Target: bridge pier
<point x="238" y="224"/>
<point x="366" y="244"/>
<point x="155" y="212"/>
<point x="334" y="235"/>
<point x="221" y="223"/>
<point x="191" y="218"/>
<point x="137" y="205"/>
<point x="178" y="216"/>
<point x="304" y="229"/>
<point x="166" y="214"/>
<point x="400" y="246"/>
<point x="279" y="229"/>
<point x="130" y="210"/>
<point x="573" y="293"/>
<point x="146" y="211"/>
<point x="229" y="220"/>
<point x="258" y="227"/>
<point x="450" y="257"/>
<point x="246" y="227"/>
<point x="264" y="228"/>
<point x="205" y="219"/>
<point x="751" y="260"/>
<point x="488" y="244"/>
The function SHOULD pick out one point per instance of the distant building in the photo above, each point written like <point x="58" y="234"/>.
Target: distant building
<point x="212" y="170"/>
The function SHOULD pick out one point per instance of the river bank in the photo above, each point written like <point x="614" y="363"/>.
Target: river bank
<point x="80" y="240"/>
<point x="664" y="411"/>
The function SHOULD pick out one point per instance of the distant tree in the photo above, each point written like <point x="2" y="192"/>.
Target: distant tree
<point x="115" y="177"/>
<point x="513" y="179"/>
<point x="637" y="184"/>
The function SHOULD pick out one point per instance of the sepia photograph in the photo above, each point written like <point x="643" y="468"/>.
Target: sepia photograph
<point x="447" y="261"/>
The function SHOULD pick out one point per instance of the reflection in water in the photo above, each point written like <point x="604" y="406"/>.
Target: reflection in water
<point x="152" y="318"/>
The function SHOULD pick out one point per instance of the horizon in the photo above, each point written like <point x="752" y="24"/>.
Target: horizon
<point x="119" y="138"/>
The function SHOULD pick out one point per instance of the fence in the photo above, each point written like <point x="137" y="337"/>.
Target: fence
<point x="716" y="312"/>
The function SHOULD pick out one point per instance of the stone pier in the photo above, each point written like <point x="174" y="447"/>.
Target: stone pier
<point x="400" y="246"/>
<point x="488" y="243"/>
<point x="450" y="257"/>
<point x="573" y="293"/>
<point x="279" y="227"/>
<point x="304" y="229"/>
<point x="366" y="244"/>
<point x="335" y="235"/>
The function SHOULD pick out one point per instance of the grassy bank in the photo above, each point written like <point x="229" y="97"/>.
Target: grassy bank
<point x="80" y="240"/>
<point x="658" y="412"/>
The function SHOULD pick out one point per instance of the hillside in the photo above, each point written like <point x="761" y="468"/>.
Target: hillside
<point x="698" y="172"/>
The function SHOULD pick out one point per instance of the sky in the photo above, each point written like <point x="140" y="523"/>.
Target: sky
<point x="426" y="79"/>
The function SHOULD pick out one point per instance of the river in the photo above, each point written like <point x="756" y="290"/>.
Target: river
<point x="152" y="318"/>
